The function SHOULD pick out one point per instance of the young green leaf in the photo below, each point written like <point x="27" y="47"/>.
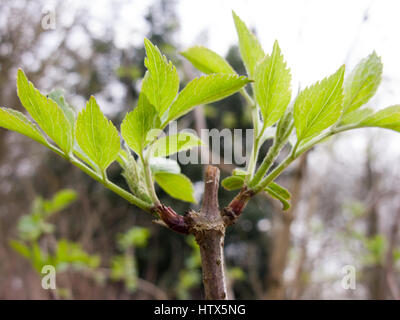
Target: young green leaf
<point x="69" y="111"/>
<point x="138" y="123"/>
<point x="176" y="185"/>
<point x="278" y="196"/>
<point x="233" y="182"/>
<point x="59" y="202"/>
<point x="168" y="145"/>
<point x="16" y="121"/>
<point x="161" y="82"/>
<point x="281" y="191"/>
<point x="388" y="118"/>
<point x="284" y="126"/>
<point x="319" y="106"/>
<point x="207" y="61"/>
<point x="158" y="164"/>
<point x="239" y="172"/>
<point x="203" y="90"/>
<point x="362" y="83"/>
<point x="249" y="47"/>
<point x="21" y="248"/>
<point x="133" y="175"/>
<point x="77" y="150"/>
<point x="97" y="136"/>
<point x="272" y="86"/>
<point x="48" y="115"/>
<point x="356" y="116"/>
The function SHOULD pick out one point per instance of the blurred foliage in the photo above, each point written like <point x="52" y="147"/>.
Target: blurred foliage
<point x="32" y="226"/>
<point x="124" y="266"/>
<point x="35" y="226"/>
<point x="190" y="276"/>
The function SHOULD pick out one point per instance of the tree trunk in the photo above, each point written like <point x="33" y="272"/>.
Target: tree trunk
<point x="208" y="226"/>
<point x="209" y="230"/>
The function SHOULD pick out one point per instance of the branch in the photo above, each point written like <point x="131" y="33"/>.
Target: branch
<point x="107" y="183"/>
<point x="209" y="230"/>
<point x="209" y="206"/>
<point x="173" y="220"/>
<point x="232" y="212"/>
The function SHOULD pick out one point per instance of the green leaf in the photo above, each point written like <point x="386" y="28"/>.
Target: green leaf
<point x="239" y="172"/>
<point x="233" y="182"/>
<point x="164" y="165"/>
<point x="48" y="115"/>
<point x="57" y="95"/>
<point x="136" y="237"/>
<point x="388" y="118"/>
<point x="21" y="248"/>
<point x="319" y="106"/>
<point x="32" y="226"/>
<point x="284" y="126"/>
<point x="356" y="116"/>
<point x="133" y="175"/>
<point x="177" y="186"/>
<point x="97" y="136"/>
<point x="83" y="156"/>
<point x="283" y="192"/>
<point x="203" y="90"/>
<point x="38" y="257"/>
<point x="71" y="254"/>
<point x="16" y="121"/>
<point x="60" y="201"/>
<point x="138" y="123"/>
<point x="123" y="268"/>
<point x="161" y="83"/>
<point x="168" y="145"/>
<point x="362" y="83"/>
<point x="274" y="193"/>
<point x="207" y="61"/>
<point x="249" y="47"/>
<point x="272" y="86"/>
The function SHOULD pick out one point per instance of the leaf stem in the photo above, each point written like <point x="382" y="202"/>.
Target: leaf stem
<point x="274" y="173"/>
<point x="296" y="153"/>
<point x="323" y="136"/>
<point x="256" y="140"/>
<point x="247" y="97"/>
<point x="107" y="183"/>
<point x="266" y="164"/>
<point x="149" y="179"/>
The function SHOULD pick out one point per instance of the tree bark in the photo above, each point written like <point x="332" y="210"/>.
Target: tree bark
<point x="208" y="227"/>
<point x="209" y="230"/>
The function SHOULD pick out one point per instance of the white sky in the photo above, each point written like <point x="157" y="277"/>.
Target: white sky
<point x="316" y="36"/>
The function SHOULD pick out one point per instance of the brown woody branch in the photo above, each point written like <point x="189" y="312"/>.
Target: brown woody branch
<point x="208" y="226"/>
<point x="173" y="220"/>
<point x="232" y="212"/>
